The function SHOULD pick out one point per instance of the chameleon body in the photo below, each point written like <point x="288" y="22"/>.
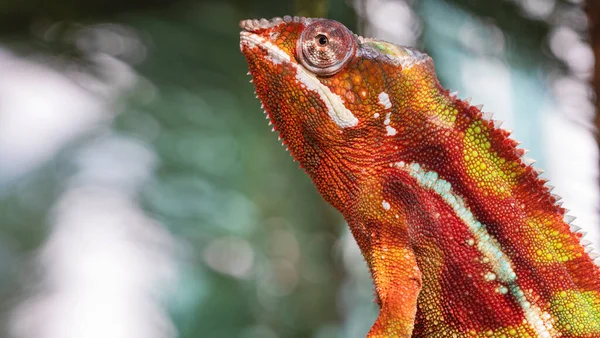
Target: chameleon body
<point x="461" y="235"/>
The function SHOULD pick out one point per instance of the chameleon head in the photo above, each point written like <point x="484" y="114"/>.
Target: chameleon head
<point x="322" y="86"/>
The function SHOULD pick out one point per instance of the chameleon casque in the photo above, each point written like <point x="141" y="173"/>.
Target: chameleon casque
<point x="461" y="235"/>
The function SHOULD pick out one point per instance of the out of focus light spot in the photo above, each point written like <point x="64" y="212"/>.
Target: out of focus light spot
<point x="575" y="98"/>
<point x="568" y="46"/>
<point x="573" y="162"/>
<point x="574" y="17"/>
<point x="41" y="111"/>
<point x="489" y="80"/>
<point x="230" y="255"/>
<point x="117" y="77"/>
<point x="326" y="331"/>
<point x="112" y="39"/>
<point x="537" y="9"/>
<point x="284" y="245"/>
<point x="575" y="154"/>
<point x="279" y="279"/>
<point x="104" y="261"/>
<point x="392" y="21"/>
<point x="259" y="331"/>
<point x="312" y="268"/>
<point x="482" y="37"/>
<point x="112" y="160"/>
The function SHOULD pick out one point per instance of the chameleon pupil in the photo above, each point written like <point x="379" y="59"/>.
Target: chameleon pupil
<point x="318" y="53"/>
<point x="322" y="39"/>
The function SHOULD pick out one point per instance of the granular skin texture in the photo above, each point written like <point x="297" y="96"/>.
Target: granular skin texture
<point x="461" y="235"/>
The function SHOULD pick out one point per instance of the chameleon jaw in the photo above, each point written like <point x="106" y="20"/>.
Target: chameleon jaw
<point x="250" y="40"/>
<point x="336" y="109"/>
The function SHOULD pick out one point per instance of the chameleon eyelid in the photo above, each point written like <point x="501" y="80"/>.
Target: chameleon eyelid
<point x="329" y="58"/>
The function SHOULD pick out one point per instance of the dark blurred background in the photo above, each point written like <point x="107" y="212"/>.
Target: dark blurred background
<point x="143" y="196"/>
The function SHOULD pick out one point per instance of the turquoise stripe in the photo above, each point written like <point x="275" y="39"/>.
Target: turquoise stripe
<point x="502" y="270"/>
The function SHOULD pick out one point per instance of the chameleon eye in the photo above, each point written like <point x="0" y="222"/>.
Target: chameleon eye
<point x="325" y="46"/>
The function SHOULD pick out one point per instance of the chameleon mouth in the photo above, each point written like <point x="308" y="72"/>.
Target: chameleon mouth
<point x="249" y="40"/>
<point x="334" y="104"/>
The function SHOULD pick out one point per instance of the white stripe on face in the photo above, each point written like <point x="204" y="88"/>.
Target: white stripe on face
<point x="336" y="109"/>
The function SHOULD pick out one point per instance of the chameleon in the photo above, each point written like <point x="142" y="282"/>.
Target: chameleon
<point x="461" y="234"/>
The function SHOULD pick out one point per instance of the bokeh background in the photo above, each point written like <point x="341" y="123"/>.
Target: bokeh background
<point x="143" y="196"/>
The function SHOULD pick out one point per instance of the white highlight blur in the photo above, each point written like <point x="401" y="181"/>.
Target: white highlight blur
<point x="105" y="266"/>
<point x="572" y="159"/>
<point x="41" y="111"/>
<point x="572" y="151"/>
<point x="537" y="9"/>
<point x="489" y="81"/>
<point x="390" y="20"/>
<point x="104" y="260"/>
<point x="569" y="47"/>
<point x="230" y="255"/>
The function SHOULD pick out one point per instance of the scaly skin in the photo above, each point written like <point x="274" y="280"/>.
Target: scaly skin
<point x="461" y="236"/>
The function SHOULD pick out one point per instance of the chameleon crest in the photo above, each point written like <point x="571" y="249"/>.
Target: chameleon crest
<point x="461" y="235"/>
